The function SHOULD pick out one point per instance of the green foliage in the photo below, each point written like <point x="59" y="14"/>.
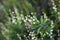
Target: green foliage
<point x="18" y="20"/>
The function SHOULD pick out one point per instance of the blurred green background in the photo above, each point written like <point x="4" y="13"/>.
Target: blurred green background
<point x="29" y="19"/>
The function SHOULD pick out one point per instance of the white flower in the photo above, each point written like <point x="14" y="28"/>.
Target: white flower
<point x="13" y="12"/>
<point x="13" y="20"/>
<point x="30" y="20"/>
<point x="24" y="20"/>
<point x="52" y="0"/>
<point x="34" y="22"/>
<point x="54" y="8"/>
<point x="50" y="36"/>
<point x="51" y="30"/>
<point x="33" y="19"/>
